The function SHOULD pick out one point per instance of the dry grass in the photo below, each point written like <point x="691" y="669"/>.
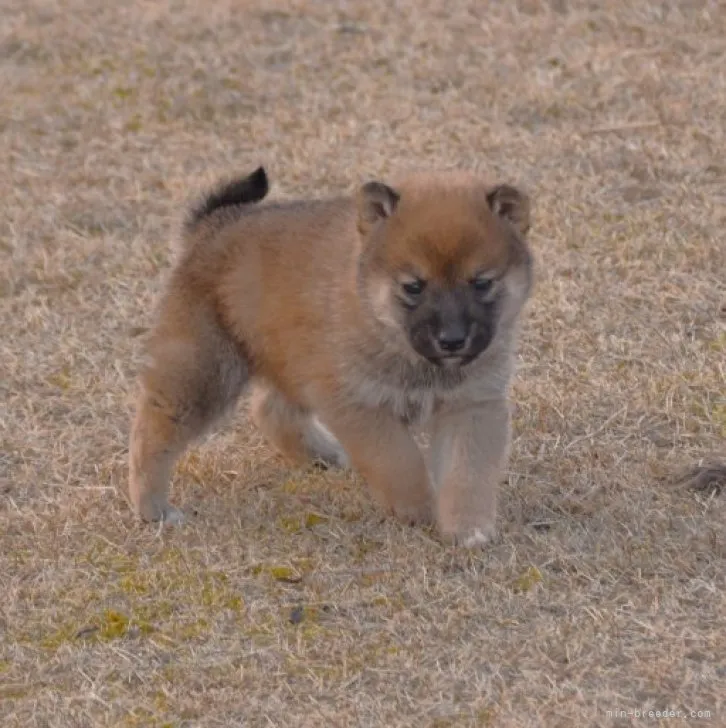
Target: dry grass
<point x="289" y="601"/>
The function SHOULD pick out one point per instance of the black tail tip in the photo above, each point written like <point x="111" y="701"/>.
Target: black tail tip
<point x="246" y="190"/>
<point x="259" y="179"/>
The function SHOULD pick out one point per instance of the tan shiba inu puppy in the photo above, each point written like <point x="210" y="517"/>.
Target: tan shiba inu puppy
<point x="352" y="319"/>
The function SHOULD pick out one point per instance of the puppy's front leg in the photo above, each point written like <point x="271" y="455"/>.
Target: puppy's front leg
<point x="469" y="449"/>
<point x="381" y="448"/>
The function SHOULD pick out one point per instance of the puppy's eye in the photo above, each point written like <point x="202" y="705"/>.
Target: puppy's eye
<point x="414" y="288"/>
<point x="482" y="284"/>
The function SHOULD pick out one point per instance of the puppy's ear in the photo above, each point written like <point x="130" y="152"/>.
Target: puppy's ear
<point x="376" y="202"/>
<point x="511" y="205"/>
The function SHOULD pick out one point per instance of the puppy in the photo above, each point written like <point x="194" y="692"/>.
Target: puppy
<point x="352" y="319"/>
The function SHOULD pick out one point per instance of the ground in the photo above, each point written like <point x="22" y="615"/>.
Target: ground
<point x="289" y="599"/>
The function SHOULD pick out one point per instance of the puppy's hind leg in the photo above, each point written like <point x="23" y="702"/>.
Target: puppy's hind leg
<point x="195" y="373"/>
<point x="296" y="434"/>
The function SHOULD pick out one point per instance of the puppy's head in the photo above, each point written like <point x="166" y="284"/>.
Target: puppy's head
<point x="444" y="262"/>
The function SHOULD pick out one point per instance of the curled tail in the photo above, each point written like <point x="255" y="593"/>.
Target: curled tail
<point x="244" y="191"/>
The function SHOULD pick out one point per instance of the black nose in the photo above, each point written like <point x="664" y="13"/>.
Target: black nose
<point x="451" y="340"/>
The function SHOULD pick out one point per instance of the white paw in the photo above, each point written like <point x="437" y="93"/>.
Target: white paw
<point x="471" y="538"/>
<point x="322" y="442"/>
<point x="476" y="537"/>
<point x="173" y="517"/>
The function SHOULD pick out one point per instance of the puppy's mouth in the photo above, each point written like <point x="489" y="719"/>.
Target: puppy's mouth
<point x="452" y="361"/>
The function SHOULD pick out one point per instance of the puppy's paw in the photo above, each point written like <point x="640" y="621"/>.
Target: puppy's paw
<point x="172" y="517"/>
<point x="324" y="448"/>
<point x="471" y="538"/>
<point x="414" y="514"/>
<point x="164" y="515"/>
<point x="476" y="537"/>
<point x="327" y="461"/>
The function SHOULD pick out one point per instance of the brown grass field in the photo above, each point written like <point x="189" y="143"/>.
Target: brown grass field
<point x="289" y="599"/>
